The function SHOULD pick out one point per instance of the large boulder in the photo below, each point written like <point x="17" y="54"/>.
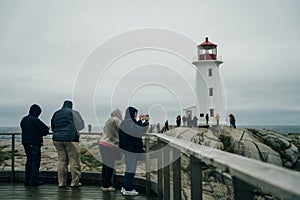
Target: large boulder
<point x="201" y="136"/>
<point x="242" y="142"/>
<point x="282" y="144"/>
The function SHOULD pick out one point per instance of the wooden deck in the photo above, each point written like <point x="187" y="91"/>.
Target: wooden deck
<point x="51" y="191"/>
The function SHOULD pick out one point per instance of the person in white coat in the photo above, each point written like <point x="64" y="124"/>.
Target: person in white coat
<point x="109" y="148"/>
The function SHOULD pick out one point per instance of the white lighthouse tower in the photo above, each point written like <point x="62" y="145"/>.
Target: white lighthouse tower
<point x="208" y="85"/>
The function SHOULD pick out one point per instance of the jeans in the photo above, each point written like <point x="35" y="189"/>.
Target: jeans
<point x="109" y="156"/>
<point x="131" y="163"/>
<point x="33" y="161"/>
<point x="68" y="153"/>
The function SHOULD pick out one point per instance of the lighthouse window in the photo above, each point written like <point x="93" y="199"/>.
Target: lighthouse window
<point x="214" y="51"/>
<point x="211" y="92"/>
<point x="212" y="112"/>
<point x="210" y="72"/>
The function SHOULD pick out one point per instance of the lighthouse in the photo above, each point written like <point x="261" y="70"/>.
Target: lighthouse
<point x="209" y="90"/>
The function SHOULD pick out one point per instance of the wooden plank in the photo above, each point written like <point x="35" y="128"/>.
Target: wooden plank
<point x="166" y="173"/>
<point x="196" y="178"/>
<point x="242" y="190"/>
<point x="10" y="191"/>
<point x="176" y="176"/>
<point x="160" y="174"/>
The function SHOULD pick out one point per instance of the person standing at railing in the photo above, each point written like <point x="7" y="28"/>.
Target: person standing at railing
<point x="109" y="149"/>
<point x="33" y="130"/>
<point x="130" y="137"/>
<point x="66" y="124"/>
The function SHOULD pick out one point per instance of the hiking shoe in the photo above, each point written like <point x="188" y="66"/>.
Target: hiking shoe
<point x="76" y="186"/>
<point x="109" y="189"/>
<point x="122" y="190"/>
<point x="130" y="193"/>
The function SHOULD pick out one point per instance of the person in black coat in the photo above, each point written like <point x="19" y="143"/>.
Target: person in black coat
<point x="33" y="130"/>
<point x="206" y="119"/>
<point x="130" y="141"/>
<point x="232" y="120"/>
<point x="178" y="121"/>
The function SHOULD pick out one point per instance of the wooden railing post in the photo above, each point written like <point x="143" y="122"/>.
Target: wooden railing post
<point x="13" y="158"/>
<point x="177" y="175"/>
<point x="196" y="178"/>
<point x="160" y="172"/>
<point x="148" y="177"/>
<point x="166" y="172"/>
<point x="242" y="190"/>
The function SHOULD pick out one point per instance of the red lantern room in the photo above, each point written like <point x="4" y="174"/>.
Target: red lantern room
<point x="207" y="50"/>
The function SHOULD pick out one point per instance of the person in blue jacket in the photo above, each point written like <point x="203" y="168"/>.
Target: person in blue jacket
<point x="33" y="130"/>
<point x="66" y="124"/>
<point x="130" y="141"/>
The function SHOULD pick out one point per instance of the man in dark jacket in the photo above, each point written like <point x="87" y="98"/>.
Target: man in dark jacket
<point x="130" y="140"/>
<point x="66" y="124"/>
<point x="33" y="130"/>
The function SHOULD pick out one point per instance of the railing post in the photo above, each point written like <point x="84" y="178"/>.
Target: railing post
<point x="160" y="172"/>
<point x="242" y="190"/>
<point x="166" y="172"/>
<point x="13" y="158"/>
<point x="148" y="177"/>
<point x="196" y="178"/>
<point x="176" y="175"/>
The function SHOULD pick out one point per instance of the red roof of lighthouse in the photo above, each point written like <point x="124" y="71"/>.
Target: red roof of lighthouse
<point x="207" y="43"/>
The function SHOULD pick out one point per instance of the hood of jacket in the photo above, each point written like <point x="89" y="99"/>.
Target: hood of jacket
<point x="117" y="113"/>
<point x="68" y="104"/>
<point x="130" y="113"/>
<point x="35" y="110"/>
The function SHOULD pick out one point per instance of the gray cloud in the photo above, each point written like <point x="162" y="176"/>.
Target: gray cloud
<point x="44" y="43"/>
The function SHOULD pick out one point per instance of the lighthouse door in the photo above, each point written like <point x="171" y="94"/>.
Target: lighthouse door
<point x="189" y="113"/>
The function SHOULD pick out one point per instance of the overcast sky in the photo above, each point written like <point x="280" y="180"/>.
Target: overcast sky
<point x="43" y="44"/>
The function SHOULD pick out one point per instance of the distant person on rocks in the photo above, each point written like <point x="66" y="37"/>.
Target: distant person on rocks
<point x="66" y="124"/>
<point x="207" y="118"/>
<point x="189" y="121"/>
<point x="130" y="141"/>
<point x="166" y="126"/>
<point x="218" y="119"/>
<point x="184" y="120"/>
<point x="195" y="122"/>
<point x="232" y="120"/>
<point x="178" y="121"/>
<point x="109" y="148"/>
<point x="158" y="127"/>
<point x="33" y="130"/>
